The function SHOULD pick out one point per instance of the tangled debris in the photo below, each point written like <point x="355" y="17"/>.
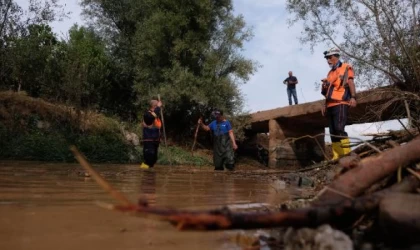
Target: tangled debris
<point x="365" y="194"/>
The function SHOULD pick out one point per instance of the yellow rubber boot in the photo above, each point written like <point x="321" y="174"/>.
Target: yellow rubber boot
<point x="336" y="150"/>
<point x="144" y="166"/>
<point x="345" y="144"/>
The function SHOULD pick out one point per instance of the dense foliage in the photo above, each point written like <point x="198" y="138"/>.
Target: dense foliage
<point x="131" y="51"/>
<point x="33" y="129"/>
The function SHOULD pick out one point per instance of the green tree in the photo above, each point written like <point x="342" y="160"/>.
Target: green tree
<point x="10" y="14"/>
<point x="19" y="29"/>
<point x="87" y="68"/>
<point x="31" y="54"/>
<point x="188" y="52"/>
<point x="115" y="22"/>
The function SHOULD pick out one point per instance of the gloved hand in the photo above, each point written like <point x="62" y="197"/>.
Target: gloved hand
<point x="324" y="87"/>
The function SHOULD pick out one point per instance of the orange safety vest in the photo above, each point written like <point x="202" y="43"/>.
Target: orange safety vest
<point x="335" y="90"/>
<point x="157" y="123"/>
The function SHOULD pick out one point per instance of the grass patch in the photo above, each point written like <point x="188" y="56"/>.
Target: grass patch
<point x="178" y="156"/>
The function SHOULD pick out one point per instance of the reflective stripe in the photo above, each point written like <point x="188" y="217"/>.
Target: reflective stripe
<point x="151" y="139"/>
<point x="338" y="91"/>
<point x="157" y="123"/>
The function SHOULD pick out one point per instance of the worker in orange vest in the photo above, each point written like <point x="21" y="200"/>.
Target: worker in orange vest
<point x="340" y="93"/>
<point x="151" y="134"/>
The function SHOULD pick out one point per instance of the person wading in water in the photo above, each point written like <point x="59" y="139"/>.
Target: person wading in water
<point x="151" y="134"/>
<point x="224" y="143"/>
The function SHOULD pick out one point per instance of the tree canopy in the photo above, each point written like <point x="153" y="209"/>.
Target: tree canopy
<point x="188" y="52"/>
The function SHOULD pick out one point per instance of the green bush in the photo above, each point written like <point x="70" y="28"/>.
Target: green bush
<point x="23" y="139"/>
<point x="104" y="148"/>
<point x="53" y="145"/>
<point x="38" y="145"/>
<point x="179" y="156"/>
<point x="5" y="138"/>
<point x="35" y="145"/>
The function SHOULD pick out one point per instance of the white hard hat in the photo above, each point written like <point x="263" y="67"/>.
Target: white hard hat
<point x="332" y="51"/>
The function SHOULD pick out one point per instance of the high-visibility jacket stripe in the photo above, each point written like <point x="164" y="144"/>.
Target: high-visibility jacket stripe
<point x="338" y="91"/>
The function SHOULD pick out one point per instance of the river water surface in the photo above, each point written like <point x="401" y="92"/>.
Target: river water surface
<point x="52" y="205"/>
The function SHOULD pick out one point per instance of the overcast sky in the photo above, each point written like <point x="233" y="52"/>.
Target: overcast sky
<point x="277" y="49"/>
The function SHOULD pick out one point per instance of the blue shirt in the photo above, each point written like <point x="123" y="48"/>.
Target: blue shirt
<point x="224" y="127"/>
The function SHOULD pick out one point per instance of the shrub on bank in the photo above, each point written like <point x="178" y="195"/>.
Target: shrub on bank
<point x="32" y="129"/>
<point x="54" y="146"/>
<point x="179" y="156"/>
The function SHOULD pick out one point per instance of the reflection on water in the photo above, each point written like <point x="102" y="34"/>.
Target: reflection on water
<point x="40" y="200"/>
<point x="148" y="187"/>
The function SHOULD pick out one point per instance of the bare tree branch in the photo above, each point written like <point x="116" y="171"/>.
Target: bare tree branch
<point x="352" y="55"/>
<point x="367" y="35"/>
<point x="9" y="4"/>
<point x="392" y="21"/>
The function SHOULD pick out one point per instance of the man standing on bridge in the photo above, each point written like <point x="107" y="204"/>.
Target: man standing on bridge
<point x="291" y="82"/>
<point x="340" y="93"/>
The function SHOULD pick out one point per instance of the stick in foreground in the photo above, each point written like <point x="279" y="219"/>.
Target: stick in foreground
<point x="98" y="178"/>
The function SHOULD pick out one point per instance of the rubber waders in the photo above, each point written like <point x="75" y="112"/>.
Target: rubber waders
<point x="345" y="144"/>
<point x="337" y="150"/>
<point x="144" y="166"/>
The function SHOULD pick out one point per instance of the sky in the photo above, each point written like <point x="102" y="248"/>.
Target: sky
<point x="276" y="47"/>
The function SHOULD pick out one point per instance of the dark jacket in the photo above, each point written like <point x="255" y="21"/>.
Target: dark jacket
<point x="151" y="132"/>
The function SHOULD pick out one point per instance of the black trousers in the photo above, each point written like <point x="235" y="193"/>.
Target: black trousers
<point x="150" y="152"/>
<point x="337" y="119"/>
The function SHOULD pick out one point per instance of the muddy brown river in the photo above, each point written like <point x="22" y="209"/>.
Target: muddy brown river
<point x="53" y="206"/>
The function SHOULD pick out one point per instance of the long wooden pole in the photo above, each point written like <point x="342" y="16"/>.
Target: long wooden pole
<point x="163" y="122"/>
<point x="195" y="137"/>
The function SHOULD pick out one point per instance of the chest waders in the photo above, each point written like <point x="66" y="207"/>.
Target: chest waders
<point x="151" y="142"/>
<point x="223" y="154"/>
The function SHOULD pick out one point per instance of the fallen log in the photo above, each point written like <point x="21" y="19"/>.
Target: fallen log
<point x="227" y="219"/>
<point x="368" y="172"/>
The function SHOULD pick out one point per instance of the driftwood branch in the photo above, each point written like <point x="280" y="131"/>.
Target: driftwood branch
<point x="98" y="178"/>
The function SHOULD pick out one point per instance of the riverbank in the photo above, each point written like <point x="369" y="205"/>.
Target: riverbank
<point x="33" y="129"/>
